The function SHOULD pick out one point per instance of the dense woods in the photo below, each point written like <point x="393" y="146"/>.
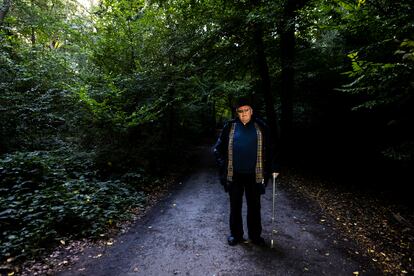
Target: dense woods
<point x="98" y="105"/>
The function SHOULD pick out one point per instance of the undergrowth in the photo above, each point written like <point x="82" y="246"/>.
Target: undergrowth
<point x="47" y="197"/>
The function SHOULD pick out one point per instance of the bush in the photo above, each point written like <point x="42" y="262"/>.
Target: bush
<point x="51" y="196"/>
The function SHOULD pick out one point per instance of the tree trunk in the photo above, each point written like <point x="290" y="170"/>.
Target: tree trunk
<point x="4" y="10"/>
<point x="264" y="75"/>
<point x="287" y="47"/>
<point x="33" y="36"/>
<point x="287" y="54"/>
<point x="170" y="128"/>
<point x="132" y="65"/>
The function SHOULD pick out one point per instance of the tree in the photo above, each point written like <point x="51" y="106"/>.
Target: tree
<point x="287" y="53"/>
<point x="4" y="9"/>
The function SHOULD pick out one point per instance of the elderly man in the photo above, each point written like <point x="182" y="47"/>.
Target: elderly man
<point x="245" y="155"/>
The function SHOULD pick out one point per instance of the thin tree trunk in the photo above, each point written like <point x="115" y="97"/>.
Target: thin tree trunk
<point x="287" y="47"/>
<point x="287" y="54"/>
<point x="171" y="117"/>
<point x="33" y="36"/>
<point x="263" y="69"/>
<point x="4" y="10"/>
<point x="230" y="104"/>
<point x="132" y="66"/>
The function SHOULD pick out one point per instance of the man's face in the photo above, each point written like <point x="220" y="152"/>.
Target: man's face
<point x="245" y="113"/>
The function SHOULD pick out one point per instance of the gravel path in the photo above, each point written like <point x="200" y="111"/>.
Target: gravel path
<point x="185" y="234"/>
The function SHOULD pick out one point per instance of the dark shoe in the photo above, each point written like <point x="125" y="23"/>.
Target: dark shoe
<point x="233" y="241"/>
<point x="259" y="241"/>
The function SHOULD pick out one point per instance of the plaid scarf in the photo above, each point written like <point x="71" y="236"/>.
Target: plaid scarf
<point x="259" y="159"/>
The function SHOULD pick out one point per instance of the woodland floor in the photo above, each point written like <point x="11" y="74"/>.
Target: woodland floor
<point x="320" y="230"/>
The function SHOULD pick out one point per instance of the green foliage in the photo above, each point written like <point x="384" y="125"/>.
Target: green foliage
<point x="372" y="34"/>
<point x="31" y="106"/>
<point x="401" y="152"/>
<point x="383" y="84"/>
<point x="51" y="196"/>
<point x="365" y="50"/>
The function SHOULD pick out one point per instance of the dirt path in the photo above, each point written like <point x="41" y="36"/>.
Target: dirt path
<point x="185" y="234"/>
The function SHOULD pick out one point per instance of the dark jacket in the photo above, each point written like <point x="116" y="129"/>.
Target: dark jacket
<point x="221" y="151"/>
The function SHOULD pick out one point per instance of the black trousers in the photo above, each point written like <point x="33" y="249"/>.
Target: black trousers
<point x="245" y="183"/>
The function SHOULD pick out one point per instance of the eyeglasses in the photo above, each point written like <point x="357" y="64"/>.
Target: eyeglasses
<point x="240" y="111"/>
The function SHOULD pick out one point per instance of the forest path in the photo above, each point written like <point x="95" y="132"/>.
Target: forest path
<point x="186" y="234"/>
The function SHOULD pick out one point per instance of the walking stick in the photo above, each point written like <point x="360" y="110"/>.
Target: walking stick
<point x="274" y="231"/>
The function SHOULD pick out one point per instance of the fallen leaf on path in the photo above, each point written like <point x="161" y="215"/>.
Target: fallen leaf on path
<point x="65" y="262"/>
<point x="385" y="230"/>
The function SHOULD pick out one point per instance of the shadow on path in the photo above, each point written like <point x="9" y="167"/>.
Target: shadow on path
<point x="185" y="234"/>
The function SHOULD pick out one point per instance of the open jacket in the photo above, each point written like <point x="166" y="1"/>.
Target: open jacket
<point x="268" y="150"/>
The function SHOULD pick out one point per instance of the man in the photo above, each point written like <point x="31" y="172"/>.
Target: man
<point x="245" y="155"/>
